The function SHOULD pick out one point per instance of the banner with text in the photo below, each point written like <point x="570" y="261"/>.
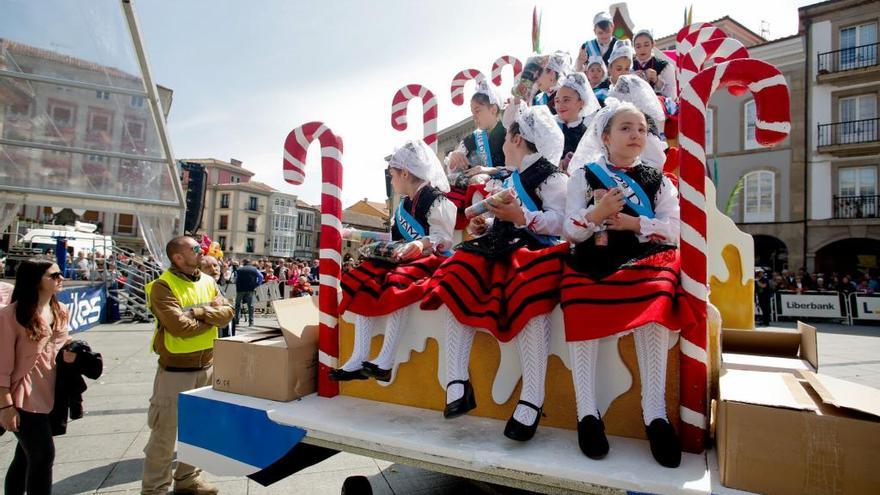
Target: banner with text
<point x="865" y="307"/>
<point x="86" y="306"/>
<point x="811" y="305"/>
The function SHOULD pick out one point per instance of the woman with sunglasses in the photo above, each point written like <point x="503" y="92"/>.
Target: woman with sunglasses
<point x="33" y="329"/>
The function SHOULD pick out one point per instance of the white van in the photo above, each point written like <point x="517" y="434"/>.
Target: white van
<point x="77" y="238"/>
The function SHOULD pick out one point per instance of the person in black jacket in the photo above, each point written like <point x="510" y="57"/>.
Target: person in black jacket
<point x="69" y="384"/>
<point x="247" y="279"/>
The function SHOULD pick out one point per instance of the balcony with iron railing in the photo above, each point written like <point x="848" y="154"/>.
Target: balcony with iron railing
<point x="853" y="207"/>
<point x="849" y="65"/>
<point x="850" y="138"/>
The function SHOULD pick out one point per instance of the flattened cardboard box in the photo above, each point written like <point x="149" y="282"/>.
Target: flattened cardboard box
<point x="778" y="349"/>
<point x="780" y="435"/>
<point x="279" y="364"/>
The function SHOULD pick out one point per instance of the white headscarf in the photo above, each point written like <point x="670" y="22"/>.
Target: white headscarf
<point x="419" y="159"/>
<point x="538" y="126"/>
<point x="578" y="82"/>
<point x="602" y="16"/>
<point x="595" y="59"/>
<point x="484" y="89"/>
<point x="641" y="32"/>
<point x="622" y="49"/>
<point x="634" y="89"/>
<point x="560" y="62"/>
<point x="591" y="148"/>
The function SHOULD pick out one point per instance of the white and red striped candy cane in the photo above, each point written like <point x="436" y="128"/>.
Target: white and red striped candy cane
<point x="459" y="81"/>
<point x="429" y="111"/>
<point x="295" y="150"/>
<point x="709" y="52"/>
<point x="773" y="124"/>
<point x="500" y="63"/>
<point x="693" y="37"/>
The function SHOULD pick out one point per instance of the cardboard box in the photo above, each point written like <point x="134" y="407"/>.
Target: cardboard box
<point x="277" y="364"/>
<point x="776" y="349"/>
<point x="780" y="435"/>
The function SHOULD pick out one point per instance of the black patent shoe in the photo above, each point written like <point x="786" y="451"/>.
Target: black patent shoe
<point x="370" y="369"/>
<point x="340" y="375"/>
<point x="515" y="430"/>
<point x="591" y="437"/>
<point x="463" y="404"/>
<point x="664" y="443"/>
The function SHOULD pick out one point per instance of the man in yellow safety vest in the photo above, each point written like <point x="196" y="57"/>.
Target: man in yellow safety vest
<point x="188" y="309"/>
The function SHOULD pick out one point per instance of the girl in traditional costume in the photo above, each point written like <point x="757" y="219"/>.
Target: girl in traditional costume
<point x="622" y="219"/>
<point x="575" y="106"/>
<point x="597" y="74"/>
<point x="633" y="89"/>
<point x="558" y="66"/>
<point x="425" y="220"/>
<point x="506" y="280"/>
<point x="660" y="74"/>
<point x="621" y="60"/>
<point x="479" y="156"/>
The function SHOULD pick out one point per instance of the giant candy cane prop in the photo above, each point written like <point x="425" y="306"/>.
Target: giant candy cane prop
<point x="711" y="52"/>
<point x="690" y="36"/>
<point x="330" y="269"/>
<point x="500" y="63"/>
<point x="459" y="81"/>
<point x="772" y="126"/>
<point x="429" y="111"/>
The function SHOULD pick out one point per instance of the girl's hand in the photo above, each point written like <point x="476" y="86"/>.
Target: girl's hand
<point x="473" y="171"/>
<point x="410" y="251"/>
<point x="622" y="221"/>
<point x="610" y="204"/>
<point x="478" y="225"/>
<point x="651" y="75"/>
<point x="9" y="419"/>
<point x="457" y="161"/>
<point x="509" y="211"/>
<point x="69" y="357"/>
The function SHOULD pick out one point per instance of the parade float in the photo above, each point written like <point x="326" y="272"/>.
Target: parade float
<point x="400" y="420"/>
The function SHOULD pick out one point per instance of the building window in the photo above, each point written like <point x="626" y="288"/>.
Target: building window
<point x="19" y="109"/>
<point x="137" y="101"/>
<point x="62" y="115"/>
<point x="710" y="131"/>
<point x="751" y="118"/>
<point x="249" y="245"/>
<point x="125" y="224"/>
<point x="856" y="114"/>
<point x="759" y="192"/>
<point x="857" y="181"/>
<point x="99" y="122"/>
<point x="851" y="39"/>
<point x="252" y="203"/>
<point x="222" y="241"/>
<point x="252" y="224"/>
<point x="224" y="200"/>
<point x="224" y="222"/>
<point x="135" y="130"/>
<point x="102" y="95"/>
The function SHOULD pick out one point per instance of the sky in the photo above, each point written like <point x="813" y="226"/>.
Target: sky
<point x="244" y="74"/>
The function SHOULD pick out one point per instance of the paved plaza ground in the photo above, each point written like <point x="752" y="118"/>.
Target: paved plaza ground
<point x="102" y="453"/>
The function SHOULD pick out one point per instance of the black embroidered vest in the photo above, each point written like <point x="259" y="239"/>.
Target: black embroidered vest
<point x="425" y="197"/>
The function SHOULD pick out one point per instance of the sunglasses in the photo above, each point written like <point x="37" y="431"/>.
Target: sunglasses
<point x="55" y="275"/>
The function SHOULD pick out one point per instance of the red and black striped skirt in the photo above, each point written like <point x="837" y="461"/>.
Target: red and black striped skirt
<point x="500" y="295"/>
<point x="376" y="288"/>
<point x="642" y="292"/>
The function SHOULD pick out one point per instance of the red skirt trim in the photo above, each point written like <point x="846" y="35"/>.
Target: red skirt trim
<point x="644" y="292"/>
<point x="500" y="295"/>
<point x="374" y="288"/>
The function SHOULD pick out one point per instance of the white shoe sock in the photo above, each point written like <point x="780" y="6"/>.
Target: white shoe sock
<point x="652" y="349"/>
<point x="363" y="334"/>
<point x="459" y="340"/>
<point x="584" y="356"/>
<point x="534" y="346"/>
<point x="396" y="322"/>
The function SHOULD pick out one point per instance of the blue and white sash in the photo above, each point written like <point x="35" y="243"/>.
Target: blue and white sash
<point x="481" y="138"/>
<point x="634" y="196"/>
<point x="541" y="99"/>
<point x="410" y="228"/>
<point x="516" y="182"/>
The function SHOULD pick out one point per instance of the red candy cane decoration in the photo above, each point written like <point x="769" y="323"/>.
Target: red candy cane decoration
<point x="500" y="63"/>
<point x="429" y="111"/>
<point x="710" y="52"/>
<point x="773" y="124"/>
<point x="459" y="81"/>
<point x="295" y="150"/>
<point x="690" y="36"/>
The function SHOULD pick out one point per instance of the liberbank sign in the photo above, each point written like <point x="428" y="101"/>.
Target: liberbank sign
<point x="811" y="305"/>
